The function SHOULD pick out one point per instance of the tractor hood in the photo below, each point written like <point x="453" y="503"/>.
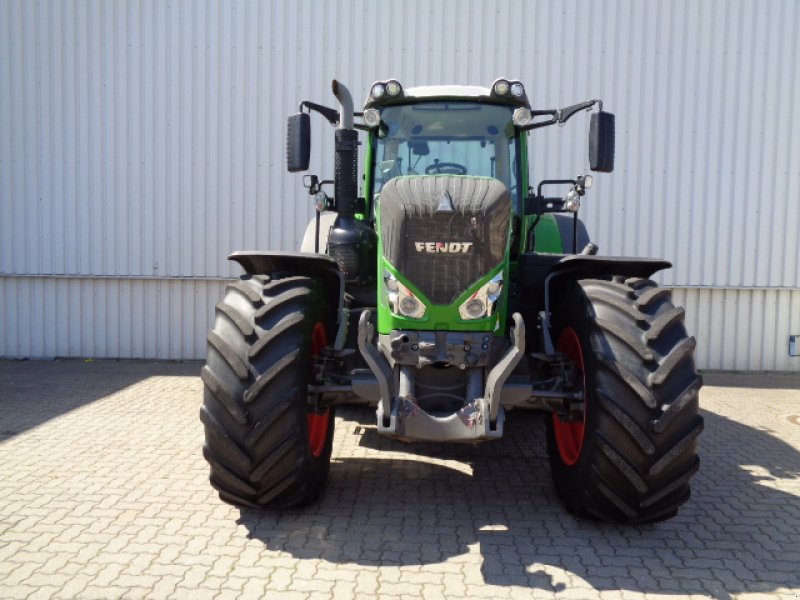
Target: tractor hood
<point x="444" y="232"/>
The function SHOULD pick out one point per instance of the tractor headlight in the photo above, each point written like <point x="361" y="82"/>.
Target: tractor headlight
<point x="378" y="90"/>
<point x="510" y="90"/>
<point x="483" y="302"/>
<point x="372" y="117"/>
<point x="392" y="286"/>
<point x="474" y="308"/>
<point x="522" y="117"/>
<point x="494" y="286"/>
<point x="409" y="306"/>
<point x="501" y="87"/>
<point x="402" y="301"/>
<point x="393" y="88"/>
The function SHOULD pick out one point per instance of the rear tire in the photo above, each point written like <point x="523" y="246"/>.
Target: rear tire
<point x="265" y="443"/>
<point x="631" y="459"/>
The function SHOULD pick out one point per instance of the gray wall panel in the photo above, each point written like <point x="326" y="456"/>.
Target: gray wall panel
<point x="145" y="138"/>
<point x="742" y="329"/>
<point x="106" y="317"/>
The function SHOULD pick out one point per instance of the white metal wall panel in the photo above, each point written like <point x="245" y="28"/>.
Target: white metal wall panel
<point x="106" y="317"/>
<point x="145" y="139"/>
<point x="735" y="328"/>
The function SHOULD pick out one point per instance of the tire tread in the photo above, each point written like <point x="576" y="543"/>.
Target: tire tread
<point x="255" y="403"/>
<point x="640" y="452"/>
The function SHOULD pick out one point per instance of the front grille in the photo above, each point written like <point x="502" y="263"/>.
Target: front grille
<point x="444" y="232"/>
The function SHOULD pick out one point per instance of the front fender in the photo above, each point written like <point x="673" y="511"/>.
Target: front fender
<point x="539" y="273"/>
<point x="534" y="269"/>
<point x="317" y="266"/>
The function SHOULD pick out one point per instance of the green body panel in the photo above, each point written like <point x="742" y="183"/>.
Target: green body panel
<point x="369" y="168"/>
<point x="439" y="317"/>
<point x="522" y="152"/>
<point x="548" y="236"/>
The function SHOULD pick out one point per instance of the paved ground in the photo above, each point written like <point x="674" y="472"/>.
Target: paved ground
<point x="103" y="493"/>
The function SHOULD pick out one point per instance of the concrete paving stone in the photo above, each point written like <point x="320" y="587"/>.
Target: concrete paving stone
<point x="344" y="590"/>
<point x="226" y="594"/>
<point x="191" y="559"/>
<point x="20" y="573"/>
<point x="232" y="582"/>
<point x="199" y="593"/>
<point x="131" y="513"/>
<point x="287" y="595"/>
<point x="194" y="576"/>
<point x="58" y="580"/>
<point x="367" y="583"/>
<point x="222" y="566"/>
<point x="338" y="574"/>
<point x="130" y="581"/>
<point x="43" y="592"/>
<point x="74" y="586"/>
<point x="254" y="589"/>
<point x="311" y="585"/>
<point x="94" y="592"/>
<point x="165" y="585"/>
<point x="279" y="579"/>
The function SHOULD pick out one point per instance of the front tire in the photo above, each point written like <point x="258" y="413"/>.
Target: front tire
<point x="631" y="457"/>
<point x="266" y="444"/>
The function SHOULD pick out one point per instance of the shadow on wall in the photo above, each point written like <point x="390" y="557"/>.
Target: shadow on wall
<point x="737" y="534"/>
<point x="80" y="383"/>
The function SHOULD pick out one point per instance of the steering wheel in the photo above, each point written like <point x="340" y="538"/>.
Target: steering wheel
<point x="445" y="168"/>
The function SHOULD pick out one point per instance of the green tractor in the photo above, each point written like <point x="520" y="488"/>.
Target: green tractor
<point x="449" y="294"/>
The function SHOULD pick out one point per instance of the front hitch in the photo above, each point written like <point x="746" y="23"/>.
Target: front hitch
<point x="399" y="414"/>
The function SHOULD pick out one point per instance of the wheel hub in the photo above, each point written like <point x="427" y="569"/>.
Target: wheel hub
<point x="570" y="434"/>
<point x="318" y="421"/>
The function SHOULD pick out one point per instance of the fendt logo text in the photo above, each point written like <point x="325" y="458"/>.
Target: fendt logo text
<point x="444" y="247"/>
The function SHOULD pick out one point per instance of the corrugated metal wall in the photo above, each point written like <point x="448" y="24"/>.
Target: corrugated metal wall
<point x="142" y="141"/>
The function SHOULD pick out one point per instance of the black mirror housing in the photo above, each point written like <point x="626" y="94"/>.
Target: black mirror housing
<point x="601" y="142"/>
<point x="298" y="142"/>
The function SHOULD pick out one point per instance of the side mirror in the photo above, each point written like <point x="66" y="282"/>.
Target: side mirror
<point x="601" y="142"/>
<point x="298" y="142"/>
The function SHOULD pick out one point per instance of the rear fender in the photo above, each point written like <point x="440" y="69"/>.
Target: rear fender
<point x="320" y="267"/>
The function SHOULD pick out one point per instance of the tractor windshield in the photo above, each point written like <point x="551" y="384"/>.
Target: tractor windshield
<point x="448" y="138"/>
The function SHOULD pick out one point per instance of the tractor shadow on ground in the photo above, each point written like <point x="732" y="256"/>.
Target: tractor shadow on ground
<point x="737" y="534"/>
<point x="33" y="392"/>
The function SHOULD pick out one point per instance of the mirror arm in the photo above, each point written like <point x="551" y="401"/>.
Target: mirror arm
<point x="313" y="184"/>
<point x="562" y="115"/>
<point x="541" y="113"/>
<point x="565" y="114"/>
<point x="332" y="115"/>
<point x="544" y="182"/>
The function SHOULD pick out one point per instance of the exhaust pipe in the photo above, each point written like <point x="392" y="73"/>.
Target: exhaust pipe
<point x="351" y="242"/>
<point x="346" y="159"/>
<point x="345" y="104"/>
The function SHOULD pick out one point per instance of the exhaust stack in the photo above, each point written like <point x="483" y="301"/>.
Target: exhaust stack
<point x="346" y="159"/>
<point x="351" y="242"/>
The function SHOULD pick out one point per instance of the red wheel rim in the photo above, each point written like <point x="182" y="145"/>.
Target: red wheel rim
<point x="570" y="434"/>
<point x="318" y="422"/>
